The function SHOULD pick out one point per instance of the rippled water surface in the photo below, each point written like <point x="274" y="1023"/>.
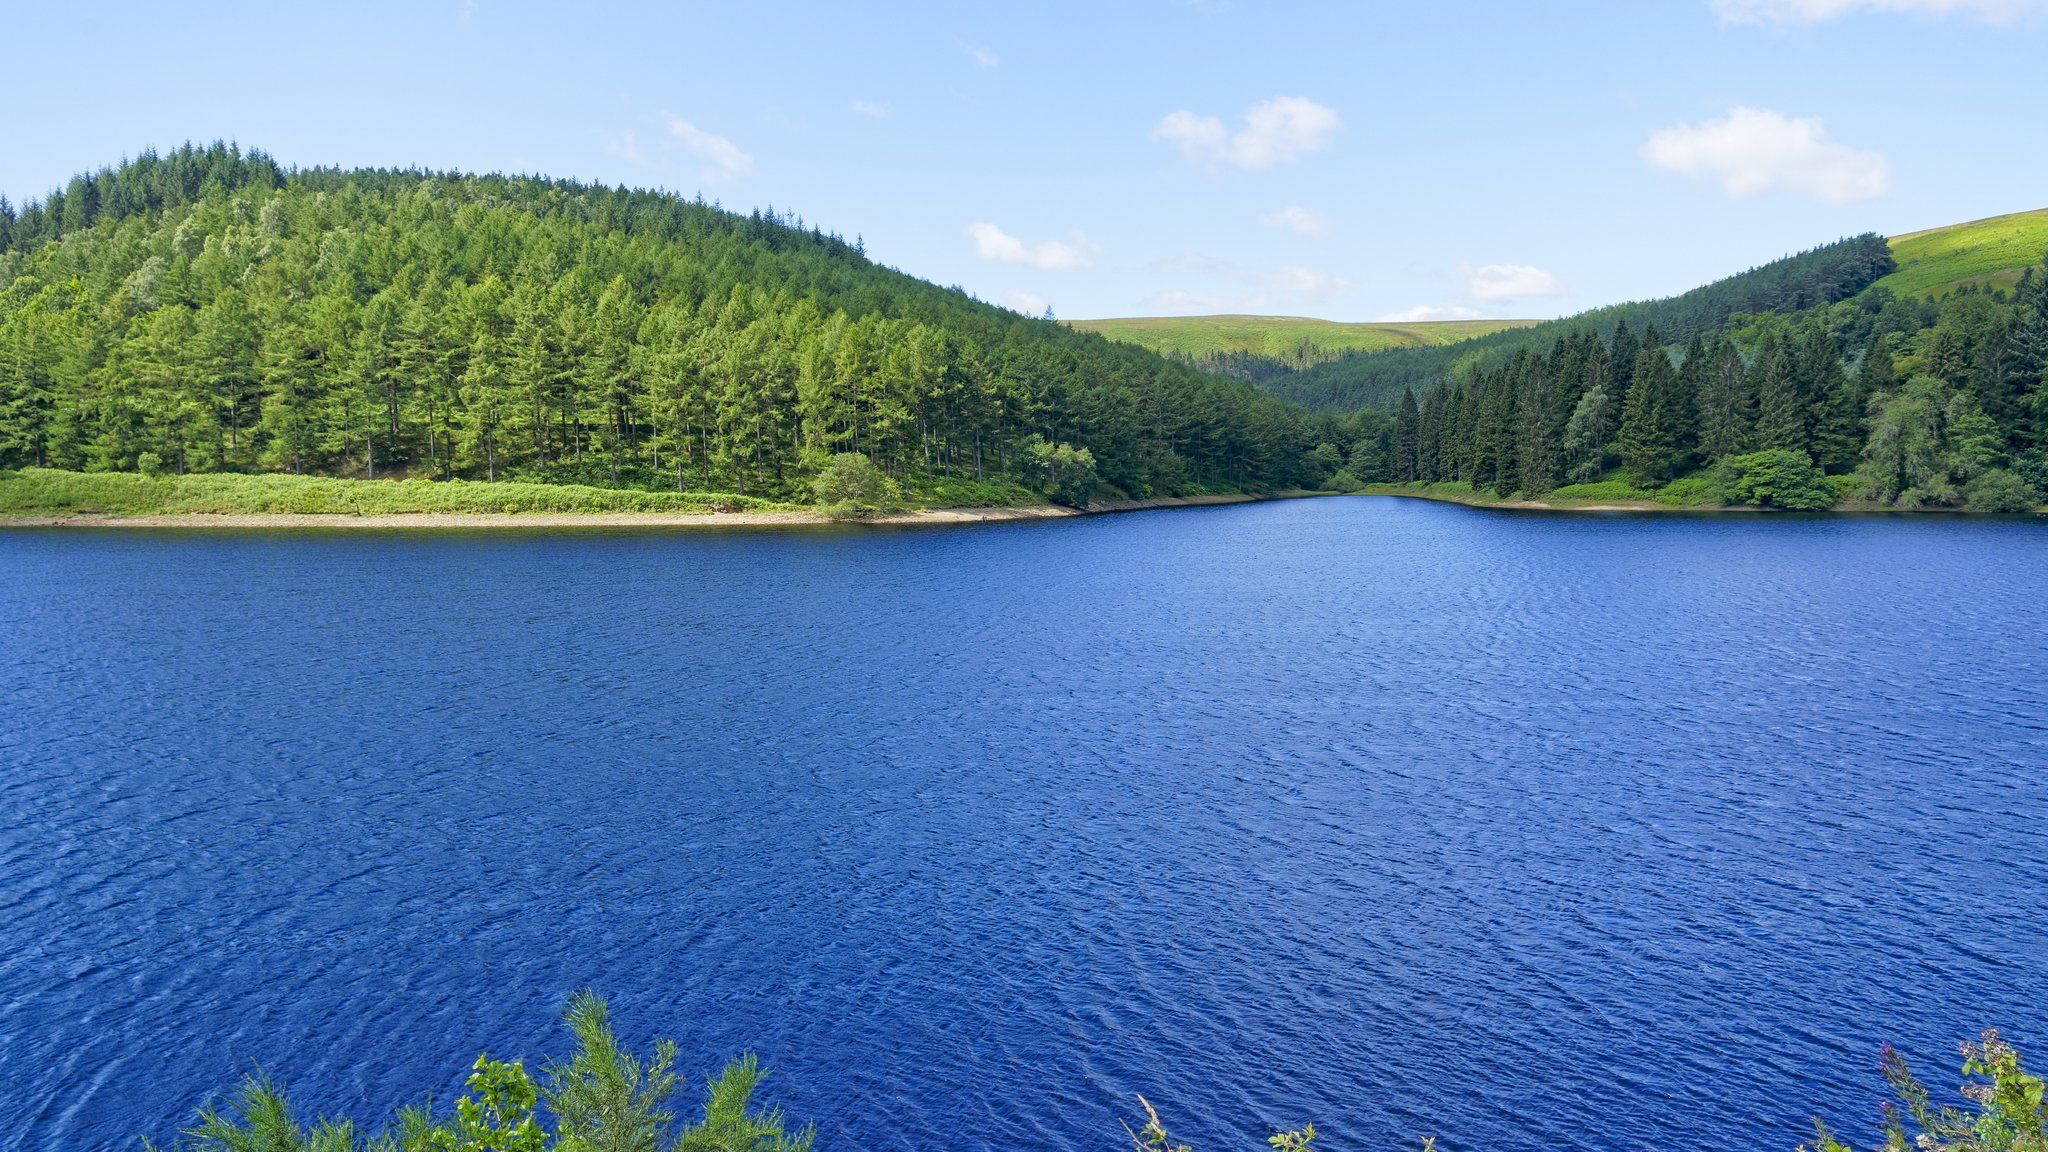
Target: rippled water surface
<point x="1401" y="818"/>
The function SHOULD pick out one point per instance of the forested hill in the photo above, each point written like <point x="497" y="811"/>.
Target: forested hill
<point x="209" y="310"/>
<point x="1822" y="275"/>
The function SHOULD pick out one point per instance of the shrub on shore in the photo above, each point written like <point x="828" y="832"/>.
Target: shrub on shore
<point x="850" y="487"/>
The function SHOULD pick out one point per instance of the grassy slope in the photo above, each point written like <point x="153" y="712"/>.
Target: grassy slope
<point x="1279" y="336"/>
<point x="1989" y="251"/>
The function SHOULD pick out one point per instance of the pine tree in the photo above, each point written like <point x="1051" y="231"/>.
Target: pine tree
<point x="1727" y="416"/>
<point x="2026" y="359"/>
<point x="1407" y="427"/>
<point x="1646" y="436"/>
<point x="1780" y="418"/>
<point x="1621" y="362"/>
<point x="1431" y="437"/>
<point x="226" y="347"/>
<point x="1587" y="434"/>
<point x="1833" y="406"/>
<point x="1682" y="412"/>
<point x="1541" y="462"/>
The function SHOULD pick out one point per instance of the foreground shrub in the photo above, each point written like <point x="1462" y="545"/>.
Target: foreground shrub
<point x="2005" y="1112"/>
<point x="1063" y="473"/>
<point x="1342" y="481"/>
<point x="1777" y="478"/>
<point x="1693" y="491"/>
<point x="849" y="487"/>
<point x="604" y="1099"/>
<point x="2001" y="491"/>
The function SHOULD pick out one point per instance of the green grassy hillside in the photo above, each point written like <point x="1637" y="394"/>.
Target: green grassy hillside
<point x="1993" y="251"/>
<point x="1283" y="337"/>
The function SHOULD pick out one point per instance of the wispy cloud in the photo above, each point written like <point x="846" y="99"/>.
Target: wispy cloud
<point x="626" y="146"/>
<point x="1182" y="301"/>
<point x="1029" y="303"/>
<point x="1425" y="313"/>
<point x="870" y="109"/>
<point x="1289" y="286"/>
<point x="992" y="243"/>
<point x="718" y="155"/>
<point x="1278" y="131"/>
<point x="1298" y="220"/>
<point x="1820" y="11"/>
<point x="982" y="57"/>
<point x="1751" y="151"/>
<point x="1492" y="282"/>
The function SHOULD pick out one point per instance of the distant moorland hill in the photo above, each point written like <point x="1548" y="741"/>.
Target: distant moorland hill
<point x="1991" y="252"/>
<point x="1260" y="347"/>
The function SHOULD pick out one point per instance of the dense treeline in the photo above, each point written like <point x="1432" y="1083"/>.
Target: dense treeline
<point x="1897" y="401"/>
<point x="1821" y="276"/>
<point x="208" y="310"/>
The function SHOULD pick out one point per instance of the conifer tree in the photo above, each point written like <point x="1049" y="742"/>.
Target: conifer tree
<point x="1780" y="418"/>
<point x="1588" y="433"/>
<point x="1541" y="462"/>
<point x="1407" y="428"/>
<point x="1727" y="412"/>
<point x="1646" y="438"/>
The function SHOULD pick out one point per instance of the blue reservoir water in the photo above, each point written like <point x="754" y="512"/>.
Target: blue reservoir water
<point x="1528" y="832"/>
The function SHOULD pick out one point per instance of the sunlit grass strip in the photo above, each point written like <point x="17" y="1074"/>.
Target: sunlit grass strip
<point x="48" y="491"/>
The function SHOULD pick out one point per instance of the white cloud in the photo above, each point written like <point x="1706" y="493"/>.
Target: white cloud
<point x="1299" y="221"/>
<point x="1293" y="281"/>
<point x="1029" y="303"/>
<point x="1817" y="11"/>
<point x="1510" y="282"/>
<point x="1277" y="131"/>
<point x="992" y="243"/>
<point x="982" y="57"/>
<point x="1424" y="313"/>
<point x="870" y="109"/>
<point x="1752" y="151"/>
<point x="719" y="155"/>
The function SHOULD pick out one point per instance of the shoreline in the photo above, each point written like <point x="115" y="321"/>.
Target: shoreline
<point x="688" y="521"/>
<point x="1525" y="504"/>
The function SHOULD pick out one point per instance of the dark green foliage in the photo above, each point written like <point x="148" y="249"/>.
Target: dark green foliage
<point x="1821" y="387"/>
<point x="1407" y="438"/>
<point x="849" y="486"/>
<point x="1998" y="490"/>
<point x="1776" y="478"/>
<point x="1649" y="420"/>
<point x="224" y="314"/>
<point x="1063" y="473"/>
<point x="1810" y="279"/>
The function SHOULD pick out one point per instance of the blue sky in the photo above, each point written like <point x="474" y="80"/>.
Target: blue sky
<point x="1131" y="157"/>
